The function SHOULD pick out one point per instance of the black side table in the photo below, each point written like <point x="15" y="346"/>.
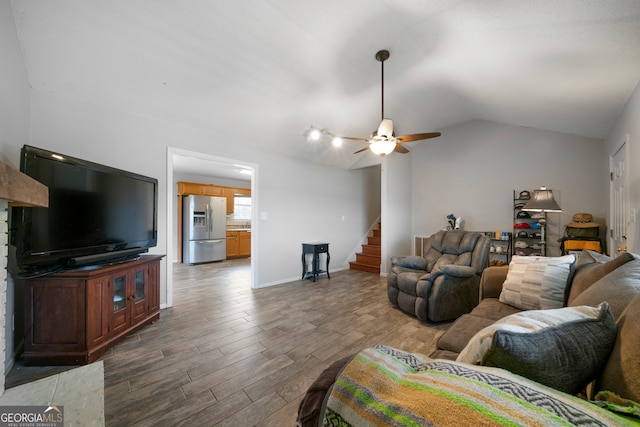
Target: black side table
<point x="315" y="248"/>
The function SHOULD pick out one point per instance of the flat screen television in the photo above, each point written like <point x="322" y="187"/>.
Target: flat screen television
<point x="96" y="213"/>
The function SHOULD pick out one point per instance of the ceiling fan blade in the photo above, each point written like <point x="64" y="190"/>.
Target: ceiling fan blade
<point x="353" y="138"/>
<point x="361" y="150"/>
<point x="401" y="149"/>
<point x="417" y="136"/>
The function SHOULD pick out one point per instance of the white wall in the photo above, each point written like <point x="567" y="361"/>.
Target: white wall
<point x="473" y="168"/>
<point x="14" y="132"/>
<point x="372" y="193"/>
<point x="396" y="214"/>
<point x="628" y="123"/>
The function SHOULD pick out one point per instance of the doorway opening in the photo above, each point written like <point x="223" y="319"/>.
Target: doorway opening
<point x="205" y="165"/>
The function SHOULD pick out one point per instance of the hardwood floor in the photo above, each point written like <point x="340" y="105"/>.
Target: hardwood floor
<point x="226" y="354"/>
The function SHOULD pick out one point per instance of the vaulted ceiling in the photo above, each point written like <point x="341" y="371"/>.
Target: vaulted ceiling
<point x="260" y="72"/>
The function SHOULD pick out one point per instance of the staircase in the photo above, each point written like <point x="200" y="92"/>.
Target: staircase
<point x="369" y="259"/>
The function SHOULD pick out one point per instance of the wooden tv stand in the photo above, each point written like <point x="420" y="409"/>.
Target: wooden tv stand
<point x="72" y="317"/>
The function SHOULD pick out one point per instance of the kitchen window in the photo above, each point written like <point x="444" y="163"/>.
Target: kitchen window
<point x="242" y="207"/>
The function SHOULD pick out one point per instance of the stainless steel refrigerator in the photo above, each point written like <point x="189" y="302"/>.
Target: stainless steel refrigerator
<point x="204" y="229"/>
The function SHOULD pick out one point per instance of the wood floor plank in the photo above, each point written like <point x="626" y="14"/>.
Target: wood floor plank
<point x="256" y="412"/>
<point x="218" y="412"/>
<point x="209" y="345"/>
<point x="243" y="379"/>
<point x="206" y="376"/>
<point x="134" y="408"/>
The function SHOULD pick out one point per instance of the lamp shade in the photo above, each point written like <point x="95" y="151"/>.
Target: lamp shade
<point x="542" y="201"/>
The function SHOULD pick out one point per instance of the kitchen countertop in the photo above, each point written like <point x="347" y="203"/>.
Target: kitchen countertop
<point x="238" y="229"/>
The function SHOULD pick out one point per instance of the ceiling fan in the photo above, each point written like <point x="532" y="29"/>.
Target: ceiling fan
<point x="383" y="141"/>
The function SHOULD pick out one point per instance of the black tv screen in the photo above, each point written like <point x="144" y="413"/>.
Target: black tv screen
<point x="96" y="213"/>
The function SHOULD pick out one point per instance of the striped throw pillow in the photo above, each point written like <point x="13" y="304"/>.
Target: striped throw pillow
<point x="535" y="282"/>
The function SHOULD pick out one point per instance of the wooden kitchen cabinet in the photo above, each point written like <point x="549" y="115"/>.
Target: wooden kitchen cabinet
<point x="185" y="188"/>
<point x="232" y="244"/>
<point x="73" y="316"/>
<point x="229" y="194"/>
<point x="238" y="244"/>
<point x="244" y="244"/>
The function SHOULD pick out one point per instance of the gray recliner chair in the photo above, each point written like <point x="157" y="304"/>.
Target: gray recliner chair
<point x="443" y="284"/>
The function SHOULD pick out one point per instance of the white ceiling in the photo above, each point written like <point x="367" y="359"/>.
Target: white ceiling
<point x="263" y="71"/>
<point x="206" y="167"/>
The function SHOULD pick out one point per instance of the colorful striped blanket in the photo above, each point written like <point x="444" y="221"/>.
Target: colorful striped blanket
<point x="383" y="386"/>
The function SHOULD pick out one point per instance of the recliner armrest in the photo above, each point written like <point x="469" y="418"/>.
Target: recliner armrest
<point x="458" y="270"/>
<point x="409" y="261"/>
<point x="450" y="270"/>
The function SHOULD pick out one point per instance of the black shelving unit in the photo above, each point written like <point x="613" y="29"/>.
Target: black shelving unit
<point x="529" y="244"/>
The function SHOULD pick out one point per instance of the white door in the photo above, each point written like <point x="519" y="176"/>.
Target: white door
<point x="619" y="199"/>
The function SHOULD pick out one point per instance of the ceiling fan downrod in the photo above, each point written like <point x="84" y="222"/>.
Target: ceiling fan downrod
<point x="382" y="55"/>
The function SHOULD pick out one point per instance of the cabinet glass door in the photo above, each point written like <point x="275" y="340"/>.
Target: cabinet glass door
<point x="139" y="281"/>
<point x="119" y="293"/>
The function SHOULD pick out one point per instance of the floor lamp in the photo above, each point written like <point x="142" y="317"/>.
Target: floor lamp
<point x="542" y="201"/>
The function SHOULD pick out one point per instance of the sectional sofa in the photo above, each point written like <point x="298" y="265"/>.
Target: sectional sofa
<point x="551" y="342"/>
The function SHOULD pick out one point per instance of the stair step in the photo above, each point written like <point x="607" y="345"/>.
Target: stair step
<point x="374" y="241"/>
<point x="362" y="267"/>
<point x="371" y="249"/>
<point x="376" y="233"/>
<point x="372" y="260"/>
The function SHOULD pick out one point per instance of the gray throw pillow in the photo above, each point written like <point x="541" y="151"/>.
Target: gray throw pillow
<point x="562" y="348"/>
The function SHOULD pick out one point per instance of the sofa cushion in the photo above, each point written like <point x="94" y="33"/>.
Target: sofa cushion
<point x="591" y="267"/>
<point x="492" y="280"/>
<point x="562" y="348"/>
<point x="492" y="309"/>
<point x="535" y="282"/>
<point x="456" y="247"/>
<point x="618" y="288"/>
<point x="621" y="374"/>
<point x="466" y="326"/>
<point x="407" y="282"/>
<point x="462" y="330"/>
<point x="444" y="354"/>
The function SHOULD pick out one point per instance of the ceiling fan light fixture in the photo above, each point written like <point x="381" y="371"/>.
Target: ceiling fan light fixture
<point x="383" y="140"/>
<point x="382" y="147"/>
